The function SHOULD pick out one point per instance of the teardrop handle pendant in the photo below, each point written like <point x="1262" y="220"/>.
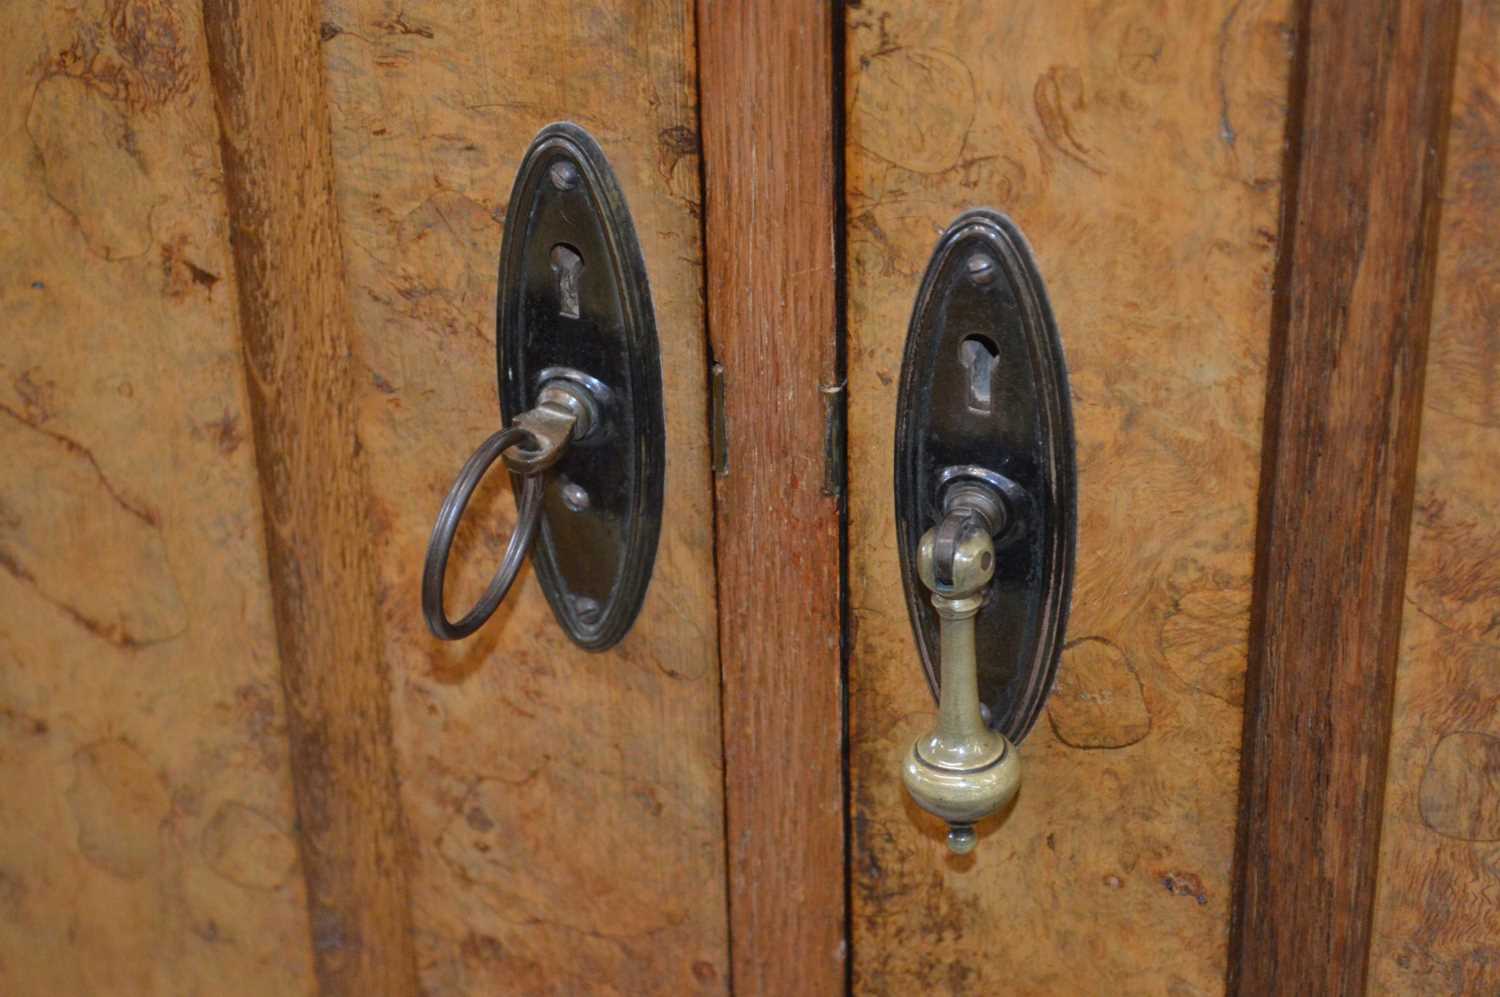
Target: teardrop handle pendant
<point x="985" y="510"/>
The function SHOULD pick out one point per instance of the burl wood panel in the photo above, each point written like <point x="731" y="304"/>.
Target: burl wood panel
<point x="1354" y="293"/>
<point x="147" y="830"/>
<point x="565" y="808"/>
<point x="768" y="127"/>
<point x="296" y="325"/>
<point x="1437" y="911"/>
<point x="1138" y="145"/>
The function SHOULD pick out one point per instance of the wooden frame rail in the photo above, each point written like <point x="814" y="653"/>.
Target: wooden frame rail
<point x="768" y="117"/>
<point x="294" y="315"/>
<point x="1369" y="106"/>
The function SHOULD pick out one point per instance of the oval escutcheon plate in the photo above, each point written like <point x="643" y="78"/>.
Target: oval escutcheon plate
<point x="574" y="303"/>
<point x="984" y="388"/>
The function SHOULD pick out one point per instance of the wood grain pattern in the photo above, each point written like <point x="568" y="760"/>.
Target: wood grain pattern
<point x="768" y="122"/>
<point x="147" y="824"/>
<point x="1138" y="146"/>
<point x="1343" y="404"/>
<point x="1437" y="920"/>
<point x="566" y="807"/>
<point x="294" y="313"/>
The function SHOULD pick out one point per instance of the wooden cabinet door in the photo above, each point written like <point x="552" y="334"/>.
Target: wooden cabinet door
<point x="1141" y="154"/>
<point x="247" y="287"/>
<point x="1235" y="208"/>
<point x="564" y="807"/>
<point x="249" y="271"/>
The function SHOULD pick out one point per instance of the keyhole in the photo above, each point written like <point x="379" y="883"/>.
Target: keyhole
<point x="568" y="265"/>
<point x="978" y="355"/>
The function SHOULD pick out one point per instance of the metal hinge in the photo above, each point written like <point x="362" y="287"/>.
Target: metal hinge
<point x="719" y="438"/>
<point x="833" y="430"/>
<point x="834" y="445"/>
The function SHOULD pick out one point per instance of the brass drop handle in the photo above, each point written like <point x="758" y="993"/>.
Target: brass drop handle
<point x="985" y="451"/>
<point x="962" y="771"/>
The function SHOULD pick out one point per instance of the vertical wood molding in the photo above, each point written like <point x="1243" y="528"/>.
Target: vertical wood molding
<point x="1369" y="113"/>
<point x="268" y="78"/>
<point x="768" y="124"/>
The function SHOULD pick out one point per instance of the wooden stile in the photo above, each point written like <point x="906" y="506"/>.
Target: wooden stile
<point x="1354" y="294"/>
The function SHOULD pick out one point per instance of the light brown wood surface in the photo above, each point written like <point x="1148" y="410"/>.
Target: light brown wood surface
<point x="1138" y="146"/>
<point x="565" y="808"/>
<point x="297" y="343"/>
<point x="147" y="828"/>
<point x="768" y="127"/>
<point x="1437" y="916"/>
<point x="1353" y="297"/>
<point x="513" y="815"/>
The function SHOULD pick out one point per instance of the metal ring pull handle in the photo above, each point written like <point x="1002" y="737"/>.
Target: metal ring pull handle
<point x="441" y="544"/>
<point x="564" y="412"/>
<point x="578" y="366"/>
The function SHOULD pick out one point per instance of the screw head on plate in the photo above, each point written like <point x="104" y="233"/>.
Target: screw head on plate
<point x="587" y="609"/>
<point x="982" y="268"/>
<point x="575" y="497"/>
<point x="564" y="175"/>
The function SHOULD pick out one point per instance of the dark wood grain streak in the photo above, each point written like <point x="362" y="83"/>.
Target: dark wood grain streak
<point x="1369" y="116"/>
<point x="268" y="79"/>
<point x="768" y="125"/>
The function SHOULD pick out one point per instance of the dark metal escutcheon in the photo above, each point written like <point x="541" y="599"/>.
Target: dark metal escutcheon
<point x="574" y="304"/>
<point x="984" y="396"/>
